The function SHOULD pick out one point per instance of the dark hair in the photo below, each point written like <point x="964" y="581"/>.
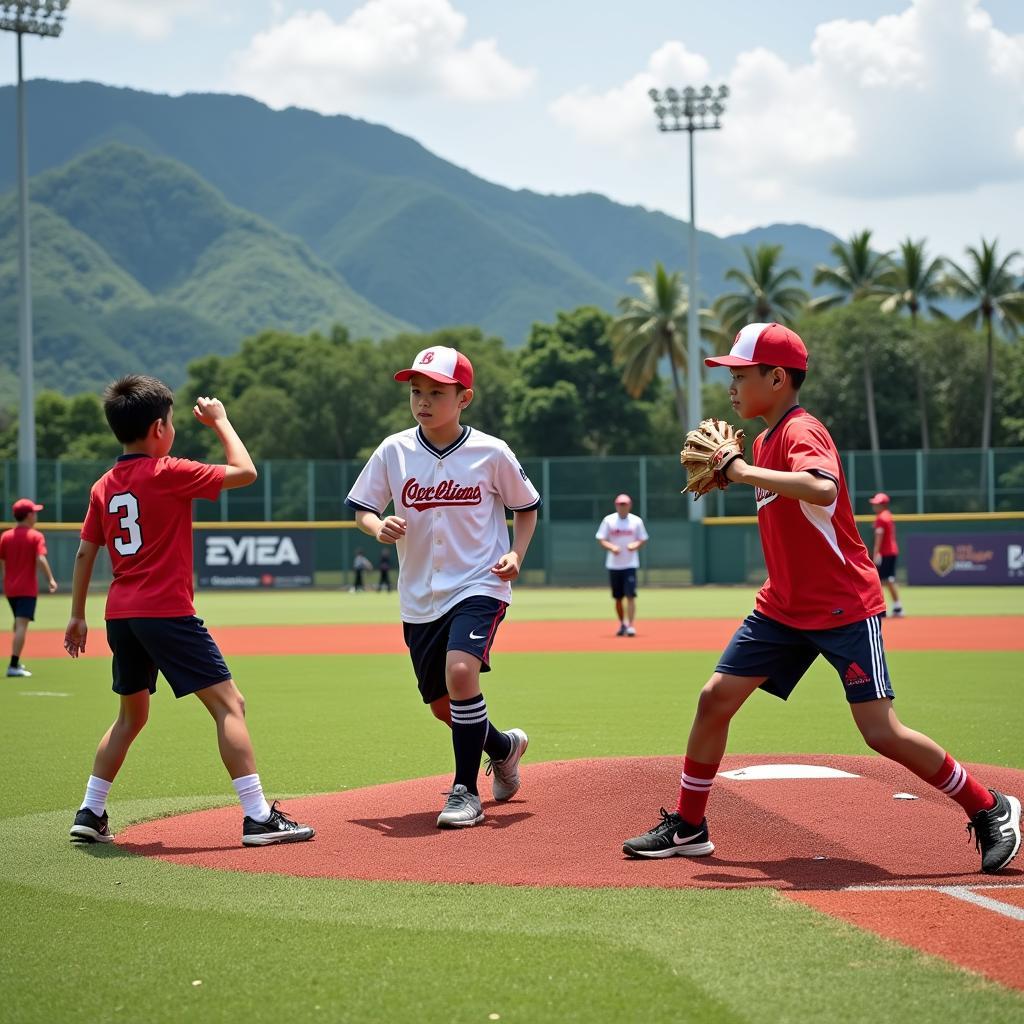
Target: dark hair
<point x="796" y="377"/>
<point x="134" y="403"/>
<point x="20" y="517"/>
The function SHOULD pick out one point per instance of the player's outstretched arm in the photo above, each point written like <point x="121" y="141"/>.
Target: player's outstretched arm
<point x="75" y="634"/>
<point x="803" y="486"/>
<point x="241" y="471"/>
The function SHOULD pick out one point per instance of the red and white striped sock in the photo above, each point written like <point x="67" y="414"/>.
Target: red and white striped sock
<point x="694" y="789"/>
<point x="958" y="784"/>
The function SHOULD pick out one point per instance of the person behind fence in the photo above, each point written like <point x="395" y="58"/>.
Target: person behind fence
<point x="886" y="549"/>
<point x="360" y="565"/>
<point x="822" y="597"/>
<point x="384" y="565"/>
<point x="622" y="535"/>
<point x="22" y="558"/>
<point x="451" y="485"/>
<point x="141" y="512"/>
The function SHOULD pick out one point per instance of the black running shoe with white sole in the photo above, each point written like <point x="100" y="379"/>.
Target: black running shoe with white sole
<point x="278" y="828"/>
<point x="90" y="828"/>
<point x="997" y="832"/>
<point x="671" y="837"/>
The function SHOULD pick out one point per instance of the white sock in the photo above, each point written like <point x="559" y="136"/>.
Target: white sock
<point x="96" y="791"/>
<point x="250" y="792"/>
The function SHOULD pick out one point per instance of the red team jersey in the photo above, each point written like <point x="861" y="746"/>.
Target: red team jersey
<point x="19" y="548"/>
<point x="820" y="574"/>
<point x="141" y="511"/>
<point x="884" y="522"/>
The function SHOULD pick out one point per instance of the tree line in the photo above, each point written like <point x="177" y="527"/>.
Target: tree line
<point x="589" y="383"/>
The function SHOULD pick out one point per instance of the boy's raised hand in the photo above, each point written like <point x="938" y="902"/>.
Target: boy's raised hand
<point x="74" y="637"/>
<point x="209" y="410"/>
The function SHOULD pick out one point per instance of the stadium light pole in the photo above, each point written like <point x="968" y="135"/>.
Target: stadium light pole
<point x="690" y="110"/>
<point x="27" y="18"/>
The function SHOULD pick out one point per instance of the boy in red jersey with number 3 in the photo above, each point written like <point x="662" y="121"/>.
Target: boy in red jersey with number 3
<point x="141" y="511"/>
<point x="822" y="596"/>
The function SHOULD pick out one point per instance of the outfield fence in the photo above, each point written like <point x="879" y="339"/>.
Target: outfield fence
<point x="932" y="492"/>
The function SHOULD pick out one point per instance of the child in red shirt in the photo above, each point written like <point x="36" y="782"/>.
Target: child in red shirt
<point x="886" y="549"/>
<point x="822" y="596"/>
<point x="22" y="555"/>
<point x="141" y="512"/>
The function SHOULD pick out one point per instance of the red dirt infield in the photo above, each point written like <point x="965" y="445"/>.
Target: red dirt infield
<point x="812" y="838"/>
<point x="933" y="633"/>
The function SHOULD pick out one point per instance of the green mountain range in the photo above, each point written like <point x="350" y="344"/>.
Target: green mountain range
<point x="247" y="217"/>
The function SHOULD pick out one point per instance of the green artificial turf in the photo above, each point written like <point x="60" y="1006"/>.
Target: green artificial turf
<point x="529" y="603"/>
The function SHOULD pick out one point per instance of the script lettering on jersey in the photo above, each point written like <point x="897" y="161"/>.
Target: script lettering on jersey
<point x="446" y="493"/>
<point x="763" y="497"/>
<point x="267" y="550"/>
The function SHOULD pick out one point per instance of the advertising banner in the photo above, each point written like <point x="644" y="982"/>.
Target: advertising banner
<point x="965" y="559"/>
<point x="253" y="559"/>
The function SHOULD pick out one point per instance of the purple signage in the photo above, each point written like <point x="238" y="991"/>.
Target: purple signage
<point x="965" y="559"/>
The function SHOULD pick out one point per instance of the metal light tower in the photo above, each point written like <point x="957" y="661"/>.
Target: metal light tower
<point x="34" y="18"/>
<point x="690" y="110"/>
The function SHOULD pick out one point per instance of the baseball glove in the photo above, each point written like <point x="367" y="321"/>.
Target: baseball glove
<point x="706" y="453"/>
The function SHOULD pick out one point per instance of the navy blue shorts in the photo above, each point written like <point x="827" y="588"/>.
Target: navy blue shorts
<point x="623" y="582"/>
<point x="764" y="647"/>
<point x="181" y="648"/>
<point x="23" y="607"/>
<point x="887" y="568"/>
<point x="470" y="626"/>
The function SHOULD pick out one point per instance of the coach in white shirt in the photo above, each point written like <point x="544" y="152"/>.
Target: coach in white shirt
<point x="622" y="535"/>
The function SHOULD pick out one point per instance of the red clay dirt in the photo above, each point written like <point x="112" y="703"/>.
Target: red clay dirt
<point x="812" y="838"/>
<point x="934" y="633"/>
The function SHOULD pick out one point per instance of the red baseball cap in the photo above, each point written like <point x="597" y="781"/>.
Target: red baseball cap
<point x="765" y="344"/>
<point x="623" y="497"/>
<point x="445" y="365"/>
<point x="881" y="498"/>
<point x="23" y="506"/>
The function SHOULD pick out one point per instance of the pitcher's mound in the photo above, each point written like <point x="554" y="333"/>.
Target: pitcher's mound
<point x="789" y="827"/>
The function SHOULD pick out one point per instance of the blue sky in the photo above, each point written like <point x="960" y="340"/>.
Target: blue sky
<point x="904" y="116"/>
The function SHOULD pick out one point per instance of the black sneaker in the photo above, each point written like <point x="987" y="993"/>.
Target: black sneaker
<point x="997" y="832"/>
<point x="278" y="828"/>
<point x="90" y="828"/>
<point x="671" y="837"/>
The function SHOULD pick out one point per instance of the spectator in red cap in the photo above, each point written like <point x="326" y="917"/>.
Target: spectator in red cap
<point x="886" y="549"/>
<point x="622" y="535"/>
<point x="22" y="555"/>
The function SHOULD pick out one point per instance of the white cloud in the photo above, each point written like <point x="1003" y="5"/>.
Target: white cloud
<point x="925" y="101"/>
<point x="386" y="48"/>
<point x="151" y="19"/>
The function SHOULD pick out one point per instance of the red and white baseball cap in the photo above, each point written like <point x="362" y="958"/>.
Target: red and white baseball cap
<point x="881" y="498"/>
<point x="23" y="506"/>
<point x="446" y="365"/>
<point x="765" y="344"/>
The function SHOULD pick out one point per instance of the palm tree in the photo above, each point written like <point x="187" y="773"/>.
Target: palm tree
<point x="651" y="327"/>
<point x="767" y="295"/>
<point x="988" y="282"/>
<point x="861" y="274"/>
<point x="916" y="281"/>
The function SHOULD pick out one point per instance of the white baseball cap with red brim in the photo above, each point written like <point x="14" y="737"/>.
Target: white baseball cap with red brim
<point x="445" y="365"/>
<point x="764" y="345"/>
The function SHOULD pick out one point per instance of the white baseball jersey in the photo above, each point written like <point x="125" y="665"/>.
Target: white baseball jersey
<point x="453" y="501"/>
<point x="622" y="530"/>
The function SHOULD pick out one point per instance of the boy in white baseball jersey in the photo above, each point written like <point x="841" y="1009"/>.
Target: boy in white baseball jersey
<point x="450" y="485"/>
<point x="622" y="535"/>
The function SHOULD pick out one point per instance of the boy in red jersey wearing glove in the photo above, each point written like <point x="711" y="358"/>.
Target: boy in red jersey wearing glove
<point x="822" y="596"/>
<point x="141" y="511"/>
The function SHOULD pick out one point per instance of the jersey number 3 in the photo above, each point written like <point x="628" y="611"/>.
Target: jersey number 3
<point x="129" y="522"/>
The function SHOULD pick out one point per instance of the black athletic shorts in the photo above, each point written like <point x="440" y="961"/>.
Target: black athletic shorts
<point x="887" y="568"/>
<point x="623" y="582"/>
<point x="23" y="607"/>
<point x="470" y="626"/>
<point x="181" y="648"/>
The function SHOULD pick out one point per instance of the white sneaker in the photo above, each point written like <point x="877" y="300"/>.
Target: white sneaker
<point x="506" y="782"/>
<point x="462" y="809"/>
<point x="630" y="631"/>
<point x="19" y="670"/>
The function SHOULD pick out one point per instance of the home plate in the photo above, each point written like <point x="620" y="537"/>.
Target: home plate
<point x="760" y="772"/>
